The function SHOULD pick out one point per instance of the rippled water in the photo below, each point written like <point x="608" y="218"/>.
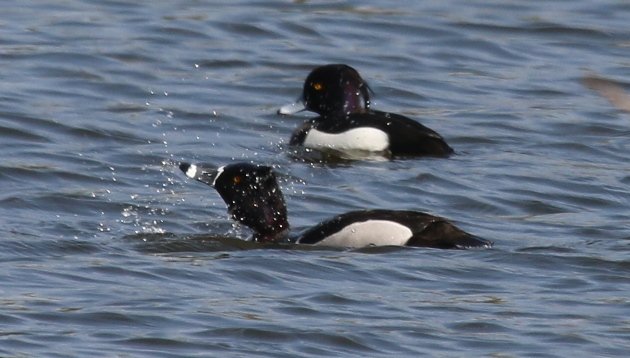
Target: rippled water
<point x="106" y="249"/>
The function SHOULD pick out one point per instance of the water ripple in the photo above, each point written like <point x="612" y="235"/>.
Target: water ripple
<point x="106" y="247"/>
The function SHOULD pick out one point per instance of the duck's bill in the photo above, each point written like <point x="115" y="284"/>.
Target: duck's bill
<point x="292" y="108"/>
<point x="200" y="173"/>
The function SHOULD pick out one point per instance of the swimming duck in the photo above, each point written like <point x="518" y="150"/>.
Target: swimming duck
<point x="254" y="199"/>
<point x="346" y="123"/>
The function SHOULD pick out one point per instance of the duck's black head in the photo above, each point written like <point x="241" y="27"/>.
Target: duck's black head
<point x="332" y="90"/>
<point x="252" y="195"/>
<point x="335" y="89"/>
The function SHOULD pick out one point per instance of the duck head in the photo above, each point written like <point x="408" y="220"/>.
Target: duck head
<point x="252" y="195"/>
<point x="335" y="89"/>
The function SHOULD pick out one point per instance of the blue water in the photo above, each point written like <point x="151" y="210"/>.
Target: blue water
<point x="106" y="249"/>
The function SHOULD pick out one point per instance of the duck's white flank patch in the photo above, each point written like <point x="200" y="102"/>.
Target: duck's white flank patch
<point x="370" y="232"/>
<point x="191" y="172"/>
<point x="219" y="172"/>
<point x="363" y="138"/>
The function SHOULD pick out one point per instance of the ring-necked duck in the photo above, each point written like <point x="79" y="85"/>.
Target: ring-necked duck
<point x="347" y="123"/>
<point x="253" y="197"/>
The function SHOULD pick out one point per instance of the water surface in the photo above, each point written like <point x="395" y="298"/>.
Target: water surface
<point x="107" y="249"/>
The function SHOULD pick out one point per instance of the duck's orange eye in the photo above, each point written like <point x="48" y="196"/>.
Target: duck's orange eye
<point x="317" y="86"/>
<point x="237" y="179"/>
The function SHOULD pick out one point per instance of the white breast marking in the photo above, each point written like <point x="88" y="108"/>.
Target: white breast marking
<point x="363" y="138"/>
<point x="370" y="232"/>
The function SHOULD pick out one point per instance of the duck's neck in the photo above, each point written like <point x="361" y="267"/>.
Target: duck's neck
<point x="279" y="236"/>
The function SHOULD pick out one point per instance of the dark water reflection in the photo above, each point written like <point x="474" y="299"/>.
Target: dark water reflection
<point x="105" y="248"/>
